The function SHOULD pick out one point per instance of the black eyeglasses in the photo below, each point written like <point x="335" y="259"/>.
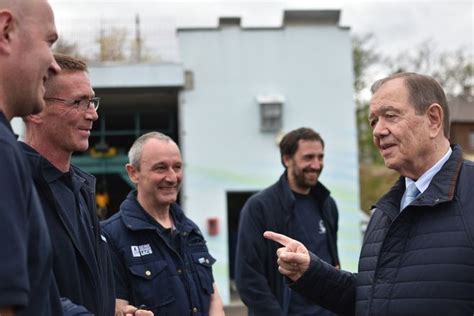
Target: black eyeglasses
<point x="83" y="103"/>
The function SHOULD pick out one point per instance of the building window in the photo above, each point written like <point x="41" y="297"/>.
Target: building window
<point x="118" y="129"/>
<point x="271" y="113"/>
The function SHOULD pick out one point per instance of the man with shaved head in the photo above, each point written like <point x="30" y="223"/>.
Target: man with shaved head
<point x="27" y="285"/>
<point x="159" y="255"/>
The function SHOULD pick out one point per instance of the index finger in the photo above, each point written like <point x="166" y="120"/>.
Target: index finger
<point x="129" y="310"/>
<point x="142" y="312"/>
<point x="279" y="238"/>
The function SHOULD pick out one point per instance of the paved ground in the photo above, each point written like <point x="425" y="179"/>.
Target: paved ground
<point x="235" y="310"/>
<point x="236" y="307"/>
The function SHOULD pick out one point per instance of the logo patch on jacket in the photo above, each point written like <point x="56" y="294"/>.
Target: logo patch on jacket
<point x="322" y="228"/>
<point x="203" y="260"/>
<point x="142" y="250"/>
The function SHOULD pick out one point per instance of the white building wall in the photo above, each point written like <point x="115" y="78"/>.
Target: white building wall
<point x="18" y="127"/>
<point x="223" y="148"/>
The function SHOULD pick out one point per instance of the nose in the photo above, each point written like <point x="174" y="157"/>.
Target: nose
<point x="54" y="68"/>
<point x="379" y="129"/>
<point x="91" y="113"/>
<point x="316" y="164"/>
<point x="171" y="176"/>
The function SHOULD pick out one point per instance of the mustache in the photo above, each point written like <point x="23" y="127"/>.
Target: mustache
<point x="312" y="170"/>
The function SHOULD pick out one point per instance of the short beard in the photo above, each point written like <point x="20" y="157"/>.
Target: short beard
<point x="301" y="181"/>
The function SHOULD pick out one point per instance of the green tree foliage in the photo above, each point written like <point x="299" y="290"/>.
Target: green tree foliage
<point x="374" y="181"/>
<point x="365" y="56"/>
<point x="368" y="154"/>
<point x="452" y="68"/>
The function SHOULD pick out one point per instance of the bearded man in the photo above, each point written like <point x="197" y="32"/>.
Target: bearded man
<point x="297" y="205"/>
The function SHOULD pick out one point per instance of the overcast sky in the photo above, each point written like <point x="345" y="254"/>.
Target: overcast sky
<point x="397" y="25"/>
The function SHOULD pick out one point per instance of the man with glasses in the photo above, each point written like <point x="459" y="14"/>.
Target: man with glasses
<point x="81" y="259"/>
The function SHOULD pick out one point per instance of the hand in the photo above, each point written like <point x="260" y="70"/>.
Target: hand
<point x="130" y="310"/>
<point x="216" y="307"/>
<point x="293" y="258"/>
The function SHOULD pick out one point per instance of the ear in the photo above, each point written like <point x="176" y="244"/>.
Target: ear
<point x="34" y="118"/>
<point x="286" y="160"/>
<point x="435" y="116"/>
<point x="132" y="173"/>
<point x="6" y="28"/>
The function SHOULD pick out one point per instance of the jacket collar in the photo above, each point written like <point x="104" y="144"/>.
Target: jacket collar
<point x="4" y="121"/>
<point x="443" y="185"/>
<point x="441" y="189"/>
<point x="34" y="159"/>
<point x="37" y="162"/>
<point x="42" y="168"/>
<point x="135" y="218"/>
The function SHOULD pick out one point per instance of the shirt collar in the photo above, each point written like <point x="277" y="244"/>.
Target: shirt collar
<point x="51" y="173"/>
<point x="424" y="181"/>
<point x="136" y="218"/>
<point x="154" y="222"/>
<point x="71" y="179"/>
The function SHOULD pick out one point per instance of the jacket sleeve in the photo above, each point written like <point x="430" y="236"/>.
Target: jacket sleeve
<point x="71" y="309"/>
<point x="335" y="219"/>
<point x="119" y="269"/>
<point x="328" y="287"/>
<point x="251" y="263"/>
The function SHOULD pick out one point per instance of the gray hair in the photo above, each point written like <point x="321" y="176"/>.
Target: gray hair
<point x="135" y="152"/>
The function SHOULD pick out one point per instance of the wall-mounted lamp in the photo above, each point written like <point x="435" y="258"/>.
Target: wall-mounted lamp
<point x="271" y="112"/>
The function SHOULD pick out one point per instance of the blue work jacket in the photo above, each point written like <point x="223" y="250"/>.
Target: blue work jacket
<point x="169" y="279"/>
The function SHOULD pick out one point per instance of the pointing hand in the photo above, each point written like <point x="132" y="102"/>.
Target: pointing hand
<point x="293" y="257"/>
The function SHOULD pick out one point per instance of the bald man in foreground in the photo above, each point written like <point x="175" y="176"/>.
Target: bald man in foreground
<point x="27" y="285"/>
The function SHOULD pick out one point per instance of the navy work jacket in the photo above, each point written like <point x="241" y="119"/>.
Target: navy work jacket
<point x="261" y="286"/>
<point x="149" y="270"/>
